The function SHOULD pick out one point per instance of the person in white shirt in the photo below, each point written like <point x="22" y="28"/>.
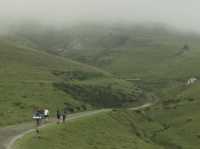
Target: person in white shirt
<point x="46" y="114"/>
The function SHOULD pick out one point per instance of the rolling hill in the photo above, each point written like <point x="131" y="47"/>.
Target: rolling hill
<point x="132" y="51"/>
<point x="153" y="56"/>
<point x="32" y="78"/>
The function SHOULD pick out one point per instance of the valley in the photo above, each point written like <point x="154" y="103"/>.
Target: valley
<point x="94" y="67"/>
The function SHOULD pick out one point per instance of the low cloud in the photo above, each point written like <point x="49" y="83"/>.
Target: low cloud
<point x="183" y="14"/>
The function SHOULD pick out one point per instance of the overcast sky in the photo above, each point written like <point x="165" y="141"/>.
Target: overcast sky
<point x="180" y="13"/>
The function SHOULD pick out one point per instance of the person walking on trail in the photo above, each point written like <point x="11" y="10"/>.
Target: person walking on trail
<point x="46" y="114"/>
<point x="58" y="114"/>
<point x="37" y="116"/>
<point x="64" y="115"/>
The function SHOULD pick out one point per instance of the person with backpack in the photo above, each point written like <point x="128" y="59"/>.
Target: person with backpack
<point x="38" y="118"/>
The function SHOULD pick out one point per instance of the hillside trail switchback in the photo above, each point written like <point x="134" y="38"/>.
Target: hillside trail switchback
<point x="9" y="135"/>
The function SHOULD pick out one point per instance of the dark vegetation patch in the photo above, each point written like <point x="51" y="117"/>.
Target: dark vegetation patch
<point x="183" y="50"/>
<point x="99" y="95"/>
<point x="77" y="75"/>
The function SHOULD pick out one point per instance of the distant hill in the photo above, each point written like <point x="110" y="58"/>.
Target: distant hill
<point x="131" y="51"/>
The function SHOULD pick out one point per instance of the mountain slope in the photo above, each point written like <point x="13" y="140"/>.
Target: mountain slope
<point x="28" y="79"/>
<point x="88" y="133"/>
<point x="131" y="51"/>
<point x="166" y="125"/>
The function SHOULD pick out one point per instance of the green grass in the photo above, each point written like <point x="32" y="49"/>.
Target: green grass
<point x="167" y="125"/>
<point x="88" y="133"/>
<point x="27" y="82"/>
<point x="151" y="53"/>
<point x="139" y="61"/>
<point x="131" y="51"/>
<point x="181" y="120"/>
<point x="28" y="78"/>
<point x="157" y="61"/>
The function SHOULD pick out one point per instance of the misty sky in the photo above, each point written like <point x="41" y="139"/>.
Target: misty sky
<point x="180" y="13"/>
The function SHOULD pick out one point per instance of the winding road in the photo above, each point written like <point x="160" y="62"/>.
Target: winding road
<point x="9" y="135"/>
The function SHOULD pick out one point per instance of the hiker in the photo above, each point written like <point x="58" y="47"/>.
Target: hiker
<point x="41" y="113"/>
<point x="63" y="117"/>
<point x="58" y="114"/>
<point x="65" y="112"/>
<point x="46" y="114"/>
<point x="37" y="116"/>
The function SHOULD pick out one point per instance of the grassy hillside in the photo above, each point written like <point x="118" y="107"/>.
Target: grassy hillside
<point x="141" y="59"/>
<point x="180" y="121"/>
<point x="29" y="78"/>
<point x="155" y="57"/>
<point x="168" y="125"/>
<point x="131" y="51"/>
<point x="89" y="133"/>
<point x="146" y="54"/>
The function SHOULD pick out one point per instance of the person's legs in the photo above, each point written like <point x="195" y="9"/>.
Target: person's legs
<point x="46" y="118"/>
<point x="37" y="125"/>
<point x="64" y="118"/>
<point x="58" y="119"/>
<point x="61" y="118"/>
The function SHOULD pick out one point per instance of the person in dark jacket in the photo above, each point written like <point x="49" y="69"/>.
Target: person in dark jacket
<point x="64" y="117"/>
<point x="58" y="114"/>
<point x="65" y="112"/>
<point x="37" y="116"/>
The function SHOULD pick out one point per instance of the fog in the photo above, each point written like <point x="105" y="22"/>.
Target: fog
<point x="183" y="14"/>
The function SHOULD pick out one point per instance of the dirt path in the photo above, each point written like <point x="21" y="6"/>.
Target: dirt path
<point x="9" y="135"/>
<point x="142" y="106"/>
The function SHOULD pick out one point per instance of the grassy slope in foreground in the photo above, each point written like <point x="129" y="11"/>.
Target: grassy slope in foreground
<point x="180" y="121"/>
<point x="89" y="133"/>
<point x="171" y="124"/>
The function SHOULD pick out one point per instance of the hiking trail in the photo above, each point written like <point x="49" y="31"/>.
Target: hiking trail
<point x="9" y="135"/>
